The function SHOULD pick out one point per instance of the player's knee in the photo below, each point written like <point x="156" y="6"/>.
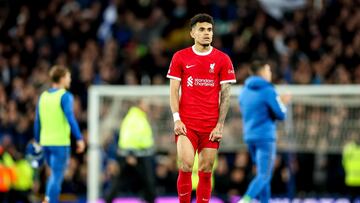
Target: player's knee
<point x="206" y="166"/>
<point x="265" y="177"/>
<point x="186" y="166"/>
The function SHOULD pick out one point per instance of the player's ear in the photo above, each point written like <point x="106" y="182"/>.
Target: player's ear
<point x="192" y="33"/>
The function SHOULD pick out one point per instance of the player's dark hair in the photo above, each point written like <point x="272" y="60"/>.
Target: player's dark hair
<point x="256" y="66"/>
<point x="57" y="72"/>
<point x="201" y="18"/>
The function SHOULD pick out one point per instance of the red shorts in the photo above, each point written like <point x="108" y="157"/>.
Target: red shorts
<point x="199" y="140"/>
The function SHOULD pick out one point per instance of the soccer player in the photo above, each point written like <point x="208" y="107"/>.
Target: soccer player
<point x="203" y="73"/>
<point x="54" y="121"/>
<point x="260" y="107"/>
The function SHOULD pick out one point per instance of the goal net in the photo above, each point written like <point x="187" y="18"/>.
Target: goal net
<point x="320" y="118"/>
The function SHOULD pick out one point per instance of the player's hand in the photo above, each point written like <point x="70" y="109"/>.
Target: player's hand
<point x="80" y="146"/>
<point x="179" y="128"/>
<point x="285" y="98"/>
<point x="131" y="160"/>
<point x="216" y="133"/>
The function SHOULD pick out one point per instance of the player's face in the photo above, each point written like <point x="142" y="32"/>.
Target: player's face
<point x="267" y="72"/>
<point x="66" y="80"/>
<point x="202" y="33"/>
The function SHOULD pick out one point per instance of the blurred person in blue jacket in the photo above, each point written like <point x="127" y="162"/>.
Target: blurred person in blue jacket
<point x="261" y="106"/>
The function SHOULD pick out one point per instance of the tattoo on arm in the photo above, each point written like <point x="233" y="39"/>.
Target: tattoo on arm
<point x="224" y="102"/>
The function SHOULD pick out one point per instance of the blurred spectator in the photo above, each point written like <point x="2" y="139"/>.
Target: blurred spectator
<point x="8" y="174"/>
<point x="136" y="150"/>
<point x="351" y="163"/>
<point x="166" y="176"/>
<point x="280" y="178"/>
<point x="22" y="187"/>
<point x="221" y="178"/>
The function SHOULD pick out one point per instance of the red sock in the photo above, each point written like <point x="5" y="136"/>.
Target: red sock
<point x="203" y="191"/>
<point x="184" y="186"/>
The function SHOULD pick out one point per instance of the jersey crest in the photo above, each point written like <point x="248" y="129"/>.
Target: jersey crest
<point x="212" y="68"/>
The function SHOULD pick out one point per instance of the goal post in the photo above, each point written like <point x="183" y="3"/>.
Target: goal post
<point x="320" y="117"/>
<point x="96" y="92"/>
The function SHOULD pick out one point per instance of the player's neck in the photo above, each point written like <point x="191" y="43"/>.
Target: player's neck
<point x="201" y="48"/>
<point x="57" y="86"/>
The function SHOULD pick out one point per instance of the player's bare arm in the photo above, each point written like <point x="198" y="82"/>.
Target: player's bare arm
<point x="224" y="102"/>
<point x="216" y="133"/>
<point x="179" y="126"/>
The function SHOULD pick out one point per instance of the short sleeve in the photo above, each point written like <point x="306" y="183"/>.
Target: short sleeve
<point x="175" y="71"/>
<point x="227" y="73"/>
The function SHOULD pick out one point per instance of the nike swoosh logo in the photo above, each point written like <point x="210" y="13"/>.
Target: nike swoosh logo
<point x="205" y="199"/>
<point x="181" y="195"/>
<point x="189" y="66"/>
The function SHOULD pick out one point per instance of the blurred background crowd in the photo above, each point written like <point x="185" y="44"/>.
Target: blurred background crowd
<point x="131" y="42"/>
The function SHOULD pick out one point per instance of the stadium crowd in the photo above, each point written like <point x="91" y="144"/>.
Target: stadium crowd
<point x="130" y="42"/>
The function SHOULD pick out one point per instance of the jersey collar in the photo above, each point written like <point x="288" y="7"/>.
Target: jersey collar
<point x="201" y="53"/>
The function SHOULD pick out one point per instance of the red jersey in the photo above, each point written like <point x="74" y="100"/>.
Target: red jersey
<point x="201" y="76"/>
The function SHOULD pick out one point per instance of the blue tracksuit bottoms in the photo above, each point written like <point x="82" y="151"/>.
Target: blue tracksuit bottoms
<point x="263" y="155"/>
<point x="57" y="158"/>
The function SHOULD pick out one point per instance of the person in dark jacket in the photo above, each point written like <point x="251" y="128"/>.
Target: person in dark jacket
<point x="261" y="106"/>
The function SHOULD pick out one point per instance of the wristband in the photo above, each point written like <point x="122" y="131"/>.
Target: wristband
<point x="176" y="116"/>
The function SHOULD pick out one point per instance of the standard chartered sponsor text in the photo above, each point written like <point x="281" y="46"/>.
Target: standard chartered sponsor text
<point x="204" y="82"/>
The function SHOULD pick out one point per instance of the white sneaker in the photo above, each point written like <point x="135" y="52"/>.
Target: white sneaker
<point x="243" y="201"/>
